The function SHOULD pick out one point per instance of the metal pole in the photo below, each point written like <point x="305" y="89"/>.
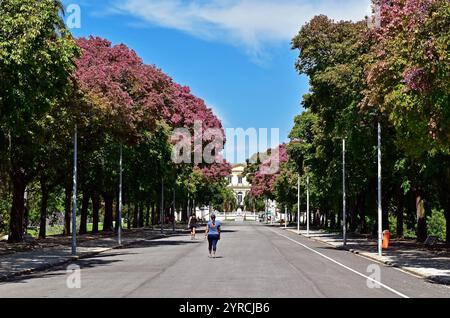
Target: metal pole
<point x="298" y="204"/>
<point x="74" y="208"/>
<point x="266" y="211"/>
<point x="285" y="216"/>
<point x="344" y="227"/>
<point x="162" y="206"/>
<point x="174" y="210"/>
<point x="194" y="209"/>
<point x="188" y="208"/>
<point x="307" y="205"/>
<point x="119" y="231"/>
<point x="380" y="215"/>
<point x="271" y="216"/>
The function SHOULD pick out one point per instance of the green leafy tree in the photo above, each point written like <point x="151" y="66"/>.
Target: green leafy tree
<point x="34" y="43"/>
<point x="407" y="76"/>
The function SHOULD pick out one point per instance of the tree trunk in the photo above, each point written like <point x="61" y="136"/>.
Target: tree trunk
<point x="421" y="230"/>
<point x="332" y="220"/>
<point x="116" y="226"/>
<point x="147" y="216"/>
<point x="447" y="219"/>
<point x="447" y="224"/>
<point x="400" y="210"/>
<point x="153" y="214"/>
<point x="361" y="207"/>
<point x="317" y="218"/>
<point x="352" y="216"/>
<point x="84" y="212"/>
<point x="141" y="216"/>
<point x="108" y="220"/>
<point x="128" y="217"/>
<point x="17" y="209"/>
<point x="67" y="211"/>
<point x="44" y="204"/>
<point x="445" y="199"/>
<point x="385" y="208"/>
<point x="399" y="225"/>
<point x="135" y="216"/>
<point x="184" y="214"/>
<point x="95" y="212"/>
<point x="26" y="212"/>
<point x="339" y="221"/>
<point x="158" y="212"/>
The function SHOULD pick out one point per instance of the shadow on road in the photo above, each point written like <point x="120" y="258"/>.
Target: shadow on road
<point x="98" y="259"/>
<point x="60" y="270"/>
<point x="152" y="243"/>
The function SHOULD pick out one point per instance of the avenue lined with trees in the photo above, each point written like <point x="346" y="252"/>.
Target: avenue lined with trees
<point x="396" y="74"/>
<point x="392" y="69"/>
<point x="107" y="164"/>
<point x="52" y="83"/>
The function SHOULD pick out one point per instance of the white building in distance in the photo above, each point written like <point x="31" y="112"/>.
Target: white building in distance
<point x="239" y="184"/>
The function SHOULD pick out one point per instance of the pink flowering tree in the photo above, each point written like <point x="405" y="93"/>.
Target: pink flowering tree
<point x="408" y="72"/>
<point x="126" y="101"/>
<point x="190" y="112"/>
<point x="264" y="180"/>
<point x="122" y="90"/>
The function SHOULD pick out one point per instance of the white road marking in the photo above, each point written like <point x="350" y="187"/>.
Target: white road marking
<point x="344" y="266"/>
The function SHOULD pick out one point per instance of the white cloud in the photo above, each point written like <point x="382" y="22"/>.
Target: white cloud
<point x="251" y="24"/>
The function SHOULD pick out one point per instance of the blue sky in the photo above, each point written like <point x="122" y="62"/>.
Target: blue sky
<point x="234" y="54"/>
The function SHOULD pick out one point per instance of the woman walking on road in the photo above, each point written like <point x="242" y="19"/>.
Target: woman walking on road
<point x="213" y="234"/>
<point x="192" y="225"/>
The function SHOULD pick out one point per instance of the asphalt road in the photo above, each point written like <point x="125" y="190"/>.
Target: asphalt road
<point x="253" y="261"/>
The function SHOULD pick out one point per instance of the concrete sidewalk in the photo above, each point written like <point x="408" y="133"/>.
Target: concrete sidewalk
<point x="26" y="262"/>
<point x="434" y="266"/>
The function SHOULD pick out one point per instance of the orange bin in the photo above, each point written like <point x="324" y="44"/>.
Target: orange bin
<point x="386" y="238"/>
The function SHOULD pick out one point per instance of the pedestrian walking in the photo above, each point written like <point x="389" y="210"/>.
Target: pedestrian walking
<point x="213" y="234"/>
<point x="192" y="225"/>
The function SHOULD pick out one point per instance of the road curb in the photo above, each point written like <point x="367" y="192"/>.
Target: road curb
<point x="432" y="279"/>
<point x="70" y="259"/>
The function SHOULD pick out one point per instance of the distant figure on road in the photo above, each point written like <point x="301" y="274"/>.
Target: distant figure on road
<point x="192" y="225"/>
<point x="213" y="234"/>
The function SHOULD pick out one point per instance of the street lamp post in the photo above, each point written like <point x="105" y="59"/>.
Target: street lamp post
<point x="373" y="25"/>
<point x="298" y="204"/>
<point x="174" y="210"/>
<point x="162" y="206"/>
<point x="307" y="205"/>
<point x="344" y="216"/>
<point x="285" y="216"/>
<point x="74" y="208"/>
<point x="119" y="229"/>
<point x="380" y="209"/>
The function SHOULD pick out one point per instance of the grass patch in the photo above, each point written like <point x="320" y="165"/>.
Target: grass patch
<point x="57" y="230"/>
<point x="51" y="231"/>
